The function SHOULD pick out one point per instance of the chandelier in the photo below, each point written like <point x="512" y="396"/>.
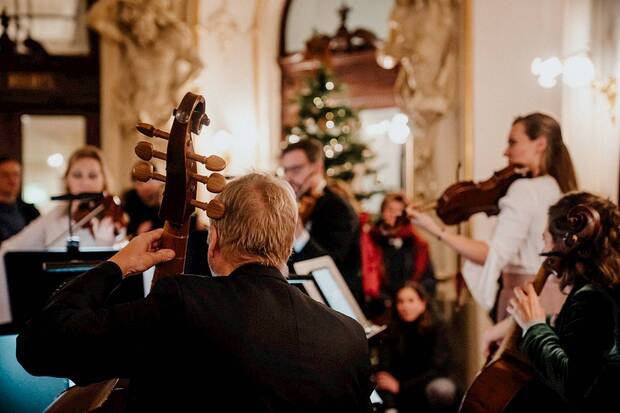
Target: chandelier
<point x="12" y="46"/>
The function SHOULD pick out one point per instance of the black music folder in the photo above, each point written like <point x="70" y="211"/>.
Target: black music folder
<point x="33" y="276"/>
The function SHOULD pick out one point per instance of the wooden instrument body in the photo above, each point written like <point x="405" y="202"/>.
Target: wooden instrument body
<point x="498" y="384"/>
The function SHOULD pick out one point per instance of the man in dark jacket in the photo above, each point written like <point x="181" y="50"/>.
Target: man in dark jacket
<point x="241" y="341"/>
<point x="332" y="225"/>
<point x="15" y="214"/>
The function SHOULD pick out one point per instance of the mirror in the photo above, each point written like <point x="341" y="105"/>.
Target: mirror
<point x="58" y="26"/>
<point x="308" y="16"/>
<point x="367" y="88"/>
<point x="47" y="143"/>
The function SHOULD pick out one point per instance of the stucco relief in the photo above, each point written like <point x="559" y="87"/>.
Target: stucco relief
<point x="158" y="58"/>
<point x="422" y="39"/>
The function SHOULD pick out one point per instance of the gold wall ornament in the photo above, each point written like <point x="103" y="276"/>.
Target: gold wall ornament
<point x="158" y="58"/>
<point x="609" y="89"/>
<point x="423" y="40"/>
<point x="222" y="24"/>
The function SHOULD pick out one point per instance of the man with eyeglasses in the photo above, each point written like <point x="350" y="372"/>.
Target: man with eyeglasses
<point x="329" y="224"/>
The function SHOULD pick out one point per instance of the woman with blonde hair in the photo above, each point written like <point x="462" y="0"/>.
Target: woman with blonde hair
<point x="86" y="173"/>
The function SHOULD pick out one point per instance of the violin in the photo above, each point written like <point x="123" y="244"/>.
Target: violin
<point x="306" y="204"/>
<point x="108" y="206"/>
<point x="464" y="199"/>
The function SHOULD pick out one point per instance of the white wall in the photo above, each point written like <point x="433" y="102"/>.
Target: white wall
<point x="507" y="36"/>
<point x="589" y="131"/>
<point x="240" y="82"/>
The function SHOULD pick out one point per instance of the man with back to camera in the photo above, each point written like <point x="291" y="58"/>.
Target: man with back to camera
<point x="242" y="341"/>
<point x="333" y="226"/>
<point x="15" y="214"/>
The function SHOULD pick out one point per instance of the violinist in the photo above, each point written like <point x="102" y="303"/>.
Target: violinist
<point x="579" y="355"/>
<point x="86" y="172"/>
<point x="511" y="256"/>
<point x="328" y="224"/>
<point x="392" y="254"/>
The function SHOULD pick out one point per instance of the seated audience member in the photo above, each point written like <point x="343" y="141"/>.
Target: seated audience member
<point x="242" y="341"/>
<point x="86" y="172"/>
<point x="415" y="366"/>
<point x="393" y="253"/>
<point x="141" y="203"/>
<point x="15" y="214"/>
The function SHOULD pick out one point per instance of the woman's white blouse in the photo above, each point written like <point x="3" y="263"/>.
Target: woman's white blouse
<point x="45" y="232"/>
<point x="517" y="242"/>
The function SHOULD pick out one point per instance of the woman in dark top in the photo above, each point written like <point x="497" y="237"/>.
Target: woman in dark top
<point x="415" y="359"/>
<point x="578" y="356"/>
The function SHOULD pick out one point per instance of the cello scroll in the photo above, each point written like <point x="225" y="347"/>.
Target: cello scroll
<point x="179" y="197"/>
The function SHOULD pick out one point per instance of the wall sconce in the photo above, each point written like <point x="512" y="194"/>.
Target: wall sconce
<point x="576" y="71"/>
<point x="396" y="129"/>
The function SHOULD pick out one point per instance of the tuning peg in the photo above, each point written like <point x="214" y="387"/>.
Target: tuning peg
<point x="215" y="182"/>
<point x="215" y="209"/>
<point x="151" y="131"/>
<point x="212" y="163"/>
<point x="145" y="151"/>
<point x="143" y="171"/>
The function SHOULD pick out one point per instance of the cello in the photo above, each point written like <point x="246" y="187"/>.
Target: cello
<point x="509" y="373"/>
<point x="178" y="204"/>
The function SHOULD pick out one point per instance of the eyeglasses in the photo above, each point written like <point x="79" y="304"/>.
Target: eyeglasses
<point x="295" y="168"/>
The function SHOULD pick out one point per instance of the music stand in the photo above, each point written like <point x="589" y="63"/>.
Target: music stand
<point x="336" y="292"/>
<point x="307" y="284"/>
<point x="33" y="276"/>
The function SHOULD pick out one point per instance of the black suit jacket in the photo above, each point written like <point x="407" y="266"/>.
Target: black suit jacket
<point x="335" y="231"/>
<point x="28" y="211"/>
<point x="247" y="342"/>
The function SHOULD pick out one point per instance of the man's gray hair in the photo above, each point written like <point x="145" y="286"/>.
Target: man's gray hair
<point x="260" y="219"/>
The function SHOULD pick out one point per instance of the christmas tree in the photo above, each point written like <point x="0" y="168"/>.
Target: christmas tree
<point x="336" y="126"/>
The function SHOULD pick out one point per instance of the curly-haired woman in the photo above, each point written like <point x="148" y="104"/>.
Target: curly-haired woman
<point x="578" y="356"/>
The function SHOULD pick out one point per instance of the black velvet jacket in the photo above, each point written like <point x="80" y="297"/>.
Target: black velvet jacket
<point x="573" y="357"/>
